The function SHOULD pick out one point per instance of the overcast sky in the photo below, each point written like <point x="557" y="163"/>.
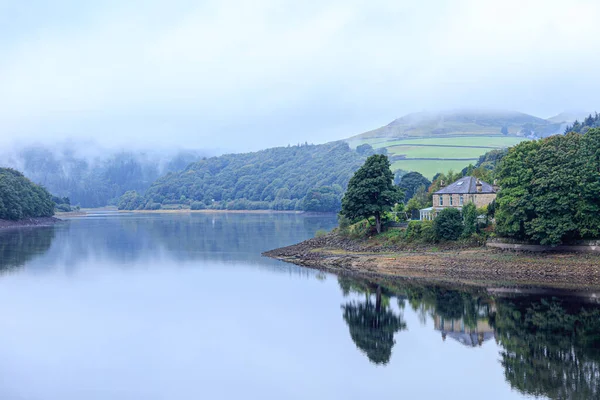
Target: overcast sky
<point x="243" y="75"/>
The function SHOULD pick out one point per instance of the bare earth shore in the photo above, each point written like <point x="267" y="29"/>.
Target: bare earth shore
<point x="43" y="221"/>
<point x="477" y="265"/>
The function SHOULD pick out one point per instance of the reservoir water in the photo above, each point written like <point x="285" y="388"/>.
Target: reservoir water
<point x="177" y="306"/>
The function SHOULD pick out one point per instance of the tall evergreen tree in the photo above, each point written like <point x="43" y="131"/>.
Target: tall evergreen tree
<point x="371" y="191"/>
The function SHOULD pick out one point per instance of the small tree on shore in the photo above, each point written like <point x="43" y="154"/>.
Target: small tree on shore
<point x="371" y="191"/>
<point x="448" y="225"/>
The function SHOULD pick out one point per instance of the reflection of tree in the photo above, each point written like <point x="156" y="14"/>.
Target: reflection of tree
<point x="17" y="246"/>
<point x="551" y="348"/>
<point x="372" y="326"/>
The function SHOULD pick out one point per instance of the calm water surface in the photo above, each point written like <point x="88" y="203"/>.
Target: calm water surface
<point x="184" y="307"/>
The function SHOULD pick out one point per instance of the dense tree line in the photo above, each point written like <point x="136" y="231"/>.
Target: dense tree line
<point x="20" y="198"/>
<point x="550" y="189"/>
<point x="307" y="177"/>
<point x="94" y="181"/>
<point x="590" y="122"/>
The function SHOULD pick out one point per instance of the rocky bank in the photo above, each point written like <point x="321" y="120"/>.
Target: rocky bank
<point x="42" y="221"/>
<point x="338" y="254"/>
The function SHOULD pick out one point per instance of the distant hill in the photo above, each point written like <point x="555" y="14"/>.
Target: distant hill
<point x="568" y="117"/>
<point x="434" y="142"/>
<point x="425" y="124"/>
<point x="97" y="178"/>
<point x="306" y="177"/>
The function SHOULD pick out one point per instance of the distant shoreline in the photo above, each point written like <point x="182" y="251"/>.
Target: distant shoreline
<point x="210" y="211"/>
<point x="28" y="222"/>
<point x="87" y="211"/>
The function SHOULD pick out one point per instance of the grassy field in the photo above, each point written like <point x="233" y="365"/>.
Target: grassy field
<point x="460" y="146"/>
<point x="489" y="141"/>
<point x="437" y="152"/>
<point x="430" y="167"/>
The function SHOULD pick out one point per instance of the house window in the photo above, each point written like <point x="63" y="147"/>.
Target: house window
<point x="441" y="200"/>
<point x="461" y="200"/>
<point x="450" y="199"/>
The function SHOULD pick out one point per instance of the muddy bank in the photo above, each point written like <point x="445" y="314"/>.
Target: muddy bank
<point x="470" y="265"/>
<point x="42" y="221"/>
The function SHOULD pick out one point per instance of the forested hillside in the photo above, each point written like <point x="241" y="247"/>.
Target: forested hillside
<point x="93" y="180"/>
<point x="20" y="198"/>
<point x="307" y="177"/>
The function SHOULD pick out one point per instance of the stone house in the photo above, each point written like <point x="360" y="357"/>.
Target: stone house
<point x="465" y="190"/>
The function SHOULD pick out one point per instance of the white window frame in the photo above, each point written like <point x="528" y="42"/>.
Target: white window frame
<point x="461" y="200"/>
<point x="451" y="202"/>
<point x="441" y="200"/>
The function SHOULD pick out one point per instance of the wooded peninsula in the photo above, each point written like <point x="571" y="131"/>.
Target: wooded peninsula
<point x="545" y="193"/>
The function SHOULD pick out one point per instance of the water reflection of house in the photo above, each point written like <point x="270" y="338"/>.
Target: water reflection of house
<point x="456" y="329"/>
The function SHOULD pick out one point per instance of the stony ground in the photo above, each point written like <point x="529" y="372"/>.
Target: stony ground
<point x="45" y="221"/>
<point x="476" y="264"/>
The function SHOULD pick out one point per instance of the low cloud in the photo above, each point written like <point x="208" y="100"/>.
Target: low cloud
<point x="245" y="75"/>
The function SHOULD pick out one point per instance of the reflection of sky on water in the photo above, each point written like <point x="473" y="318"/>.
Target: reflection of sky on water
<point x="163" y="306"/>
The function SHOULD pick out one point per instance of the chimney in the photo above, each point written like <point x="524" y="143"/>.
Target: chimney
<point x="495" y="186"/>
<point x="479" y="186"/>
<point x="442" y="184"/>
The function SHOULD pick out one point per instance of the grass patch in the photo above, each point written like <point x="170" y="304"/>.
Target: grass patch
<point x="321" y="233"/>
<point x="437" y="152"/>
<point x="489" y="141"/>
<point x="430" y="167"/>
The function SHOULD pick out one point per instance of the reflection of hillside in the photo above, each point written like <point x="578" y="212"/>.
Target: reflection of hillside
<point x="231" y="237"/>
<point x="548" y="347"/>
<point x="197" y="237"/>
<point x="18" y="246"/>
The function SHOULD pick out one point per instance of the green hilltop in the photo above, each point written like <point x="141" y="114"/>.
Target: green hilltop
<point x="432" y="142"/>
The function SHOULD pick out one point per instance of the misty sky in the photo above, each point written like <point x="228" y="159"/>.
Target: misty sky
<point x="243" y="75"/>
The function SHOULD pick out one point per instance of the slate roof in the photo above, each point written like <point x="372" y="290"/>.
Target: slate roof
<point x="466" y="185"/>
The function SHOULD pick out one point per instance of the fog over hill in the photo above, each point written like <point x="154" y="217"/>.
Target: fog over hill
<point x="246" y="76"/>
<point x="92" y="176"/>
<point x="466" y="122"/>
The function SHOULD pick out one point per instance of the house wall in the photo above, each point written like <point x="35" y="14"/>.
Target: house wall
<point x="479" y="199"/>
<point x="483" y="199"/>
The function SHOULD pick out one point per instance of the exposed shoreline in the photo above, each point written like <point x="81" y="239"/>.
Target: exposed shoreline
<point x="28" y="222"/>
<point x="472" y="265"/>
